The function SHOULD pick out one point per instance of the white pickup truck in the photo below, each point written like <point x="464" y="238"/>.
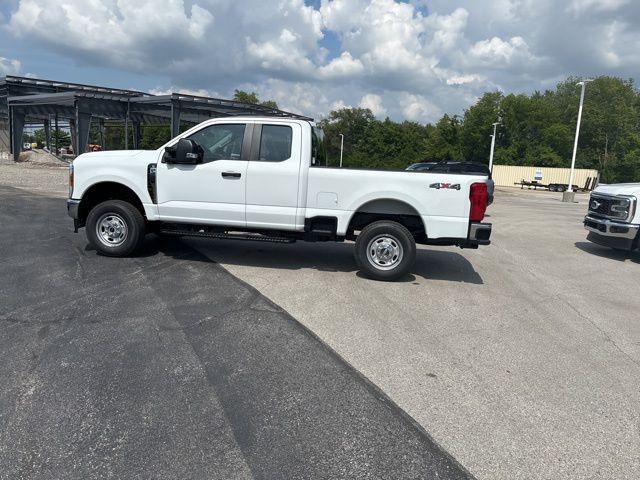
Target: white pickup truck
<point x="266" y="179"/>
<point x="613" y="219"/>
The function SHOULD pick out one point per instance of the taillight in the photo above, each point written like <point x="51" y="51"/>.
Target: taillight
<point x="70" y="179"/>
<point x="478" y="199"/>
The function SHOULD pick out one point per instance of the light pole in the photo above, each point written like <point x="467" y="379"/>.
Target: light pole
<point x="341" y="148"/>
<point x="493" y="145"/>
<point x="569" y="198"/>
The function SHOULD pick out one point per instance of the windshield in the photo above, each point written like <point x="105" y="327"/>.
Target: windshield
<point x="318" y="149"/>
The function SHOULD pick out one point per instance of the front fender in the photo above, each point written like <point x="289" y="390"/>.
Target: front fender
<point x="81" y="188"/>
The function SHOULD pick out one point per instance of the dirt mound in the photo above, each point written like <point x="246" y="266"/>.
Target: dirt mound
<point x="41" y="157"/>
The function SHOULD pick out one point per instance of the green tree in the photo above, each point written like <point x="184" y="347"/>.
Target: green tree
<point x="246" y="97"/>
<point x="537" y="130"/>
<point x="252" y="99"/>
<point x="477" y="126"/>
<point x="444" y="142"/>
<point x="39" y="137"/>
<point x="354" y="124"/>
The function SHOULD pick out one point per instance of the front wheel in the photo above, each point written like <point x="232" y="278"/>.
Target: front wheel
<point x="115" y="228"/>
<point x="385" y="250"/>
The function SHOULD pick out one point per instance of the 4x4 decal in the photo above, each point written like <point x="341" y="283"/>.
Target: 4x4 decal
<point x="451" y="186"/>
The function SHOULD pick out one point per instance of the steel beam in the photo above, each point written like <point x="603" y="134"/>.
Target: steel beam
<point x="83" y="123"/>
<point x="136" y="135"/>
<point x="73" y="131"/>
<point x="126" y="128"/>
<point x="17" y="127"/>
<point x="56" y="135"/>
<point x="47" y="133"/>
<point x="175" y="119"/>
<point x="101" y="128"/>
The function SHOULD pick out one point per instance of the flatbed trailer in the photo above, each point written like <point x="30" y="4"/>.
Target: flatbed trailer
<point x="557" y="187"/>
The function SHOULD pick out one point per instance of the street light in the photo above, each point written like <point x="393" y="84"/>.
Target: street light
<point x="493" y="145"/>
<point x="341" y="148"/>
<point x="575" y="142"/>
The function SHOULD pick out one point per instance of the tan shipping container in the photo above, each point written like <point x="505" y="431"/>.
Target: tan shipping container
<point x="508" y="175"/>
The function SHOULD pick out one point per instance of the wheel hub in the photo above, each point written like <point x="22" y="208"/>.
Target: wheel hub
<point x="384" y="252"/>
<point x="111" y="229"/>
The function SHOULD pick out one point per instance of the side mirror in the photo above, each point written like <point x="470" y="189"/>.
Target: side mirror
<point x="186" y="151"/>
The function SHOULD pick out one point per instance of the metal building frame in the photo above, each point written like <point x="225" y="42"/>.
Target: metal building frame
<point x="30" y="101"/>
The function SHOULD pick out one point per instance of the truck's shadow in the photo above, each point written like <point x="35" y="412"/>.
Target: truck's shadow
<point x="607" y="252"/>
<point x="431" y="264"/>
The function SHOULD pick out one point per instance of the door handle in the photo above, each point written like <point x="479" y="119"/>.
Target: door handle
<point x="231" y="175"/>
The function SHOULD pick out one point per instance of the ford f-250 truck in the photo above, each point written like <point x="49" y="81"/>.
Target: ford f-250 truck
<point x="613" y="219"/>
<point x="266" y="179"/>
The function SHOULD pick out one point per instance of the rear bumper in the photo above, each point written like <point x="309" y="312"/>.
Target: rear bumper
<point x="610" y="233"/>
<point x="479" y="233"/>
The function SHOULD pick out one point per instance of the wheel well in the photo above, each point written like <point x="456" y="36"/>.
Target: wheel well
<point x="387" y="209"/>
<point x="103" y="191"/>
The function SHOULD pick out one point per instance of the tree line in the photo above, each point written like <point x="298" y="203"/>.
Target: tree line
<point x="536" y="130"/>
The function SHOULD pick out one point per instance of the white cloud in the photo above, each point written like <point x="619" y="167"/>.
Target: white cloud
<point x="464" y="79"/>
<point x="496" y="51"/>
<point x="200" y="92"/>
<point x="419" y="108"/>
<point x="419" y="65"/>
<point x="579" y="6"/>
<point x="343" y="66"/>
<point x="9" y="66"/>
<point x="374" y="103"/>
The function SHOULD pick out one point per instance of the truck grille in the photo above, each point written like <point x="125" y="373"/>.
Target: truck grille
<point x="604" y="206"/>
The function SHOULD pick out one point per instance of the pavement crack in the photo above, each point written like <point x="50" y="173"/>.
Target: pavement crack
<point x="599" y="329"/>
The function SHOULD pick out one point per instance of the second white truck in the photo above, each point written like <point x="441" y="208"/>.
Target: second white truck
<point x="613" y="219"/>
<point x="266" y="179"/>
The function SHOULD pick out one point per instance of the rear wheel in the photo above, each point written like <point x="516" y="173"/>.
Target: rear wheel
<point x="115" y="228"/>
<point x="385" y="250"/>
<point x="561" y="188"/>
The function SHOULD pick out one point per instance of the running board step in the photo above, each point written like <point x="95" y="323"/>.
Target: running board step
<point x="228" y="236"/>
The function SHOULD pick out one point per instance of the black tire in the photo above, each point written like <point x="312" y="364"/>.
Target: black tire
<point x="561" y="188"/>
<point x="117" y="213"/>
<point x="552" y="188"/>
<point x="397" y="236"/>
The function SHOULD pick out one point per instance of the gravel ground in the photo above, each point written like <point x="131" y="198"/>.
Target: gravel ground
<point x="35" y="177"/>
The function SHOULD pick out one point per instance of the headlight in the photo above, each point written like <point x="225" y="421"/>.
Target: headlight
<point x="70" y="179"/>
<point x="624" y="207"/>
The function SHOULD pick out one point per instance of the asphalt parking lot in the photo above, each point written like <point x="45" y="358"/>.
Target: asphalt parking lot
<point x="167" y="366"/>
<point x="520" y="360"/>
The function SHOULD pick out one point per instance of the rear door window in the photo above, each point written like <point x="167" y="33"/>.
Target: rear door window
<point x="275" y="143"/>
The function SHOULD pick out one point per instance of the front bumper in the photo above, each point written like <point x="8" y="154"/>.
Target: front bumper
<point x="72" y="208"/>
<point x="611" y="233"/>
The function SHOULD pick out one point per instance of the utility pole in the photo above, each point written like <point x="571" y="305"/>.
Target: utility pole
<point x="493" y="145"/>
<point x="571" y="195"/>
<point x="341" y="148"/>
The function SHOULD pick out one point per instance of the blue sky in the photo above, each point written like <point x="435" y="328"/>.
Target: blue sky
<point x="405" y="59"/>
